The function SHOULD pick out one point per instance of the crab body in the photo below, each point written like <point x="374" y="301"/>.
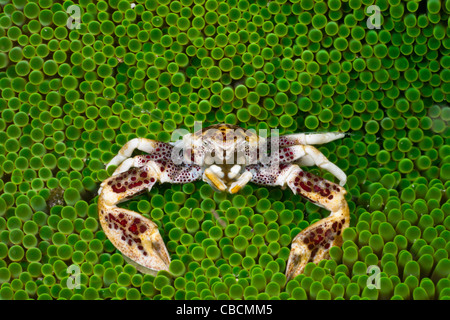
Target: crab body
<point x="226" y="157"/>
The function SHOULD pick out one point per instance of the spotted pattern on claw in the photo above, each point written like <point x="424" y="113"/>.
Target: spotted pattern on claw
<point x="130" y="229"/>
<point x="317" y="184"/>
<point x="317" y="237"/>
<point x="129" y="180"/>
<point x="313" y="243"/>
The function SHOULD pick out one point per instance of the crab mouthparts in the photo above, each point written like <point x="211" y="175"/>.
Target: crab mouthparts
<point x="223" y="177"/>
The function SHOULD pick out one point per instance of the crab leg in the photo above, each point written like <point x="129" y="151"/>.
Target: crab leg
<point x="142" y="144"/>
<point x="309" y="138"/>
<point x="308" y="156"/>
<point x="131" y="233"/>
<point x="313" y="243"/>
<point x="315" y="157"/>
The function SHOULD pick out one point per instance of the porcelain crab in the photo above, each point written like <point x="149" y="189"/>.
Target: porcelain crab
<point x="227" y="157"/>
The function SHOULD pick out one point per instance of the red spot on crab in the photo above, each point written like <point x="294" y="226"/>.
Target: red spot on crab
<point x="334" y="226"/>
<point x="305" y="187"/>
<point x="133" y="228"/>
<point x="118" y="190"/>
<point x="319" y="239"/>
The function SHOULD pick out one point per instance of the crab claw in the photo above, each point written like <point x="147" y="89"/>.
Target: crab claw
<point x="132" y="234"/>
<point x="313" y="243"/>
<point x="136" y="237"/>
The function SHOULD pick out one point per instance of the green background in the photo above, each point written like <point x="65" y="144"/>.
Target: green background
<point x="70" y="98"/>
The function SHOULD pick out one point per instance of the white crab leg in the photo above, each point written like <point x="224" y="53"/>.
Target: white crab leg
<point x="306" y="161"/>
<point x="146" y="145"/>
<point x="135" y="162"/>
<point x="309" y="155"/>
<point x="309" y="138"/>
<point x="313" y="243"/>
<point x="314" y="157"/>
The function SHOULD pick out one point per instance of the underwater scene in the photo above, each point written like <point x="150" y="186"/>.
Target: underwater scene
<point x="224" y="150"/>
